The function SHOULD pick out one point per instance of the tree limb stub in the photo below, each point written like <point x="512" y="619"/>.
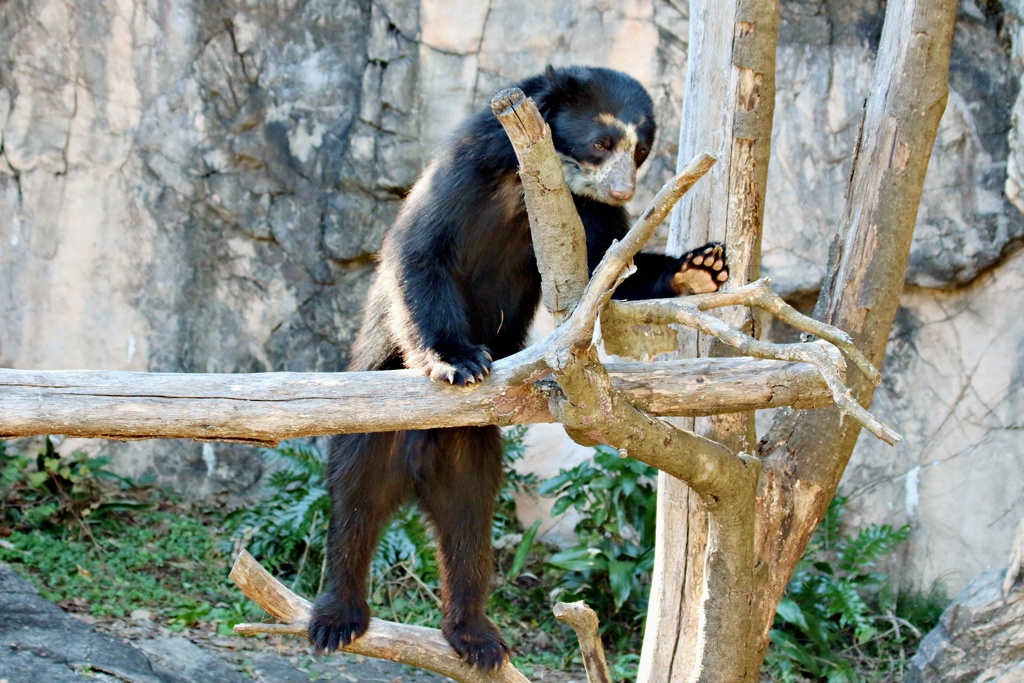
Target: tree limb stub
<point x="265" y="408"/>
<point x="417" y="646"/>
<point x="584" y="622"/>
<point x="559" y="240"/>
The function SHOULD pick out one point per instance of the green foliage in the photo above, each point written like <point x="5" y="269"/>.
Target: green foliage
<point x="520" y="602"/>
<point x="47" y="490"/>
<point x="166" y="561"/>
<point x="97" y="542"/>
<point x="287" y="531"/>
<point x="403" y="574"/>
<point x="609" y="566"/>
<point x="839" y="620"/>
<point x="516" y="483"/>
<point x="92" y="541"/>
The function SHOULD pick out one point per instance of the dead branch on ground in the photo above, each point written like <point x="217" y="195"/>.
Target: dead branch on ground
<point x="417" y="646"/>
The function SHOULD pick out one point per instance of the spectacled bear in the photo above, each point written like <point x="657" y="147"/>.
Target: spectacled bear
<point x="457" y="287"/>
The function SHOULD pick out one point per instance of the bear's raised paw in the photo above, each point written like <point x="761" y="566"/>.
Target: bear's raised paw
<point x="701" y="271"/>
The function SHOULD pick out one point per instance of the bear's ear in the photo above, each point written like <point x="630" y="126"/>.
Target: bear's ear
<point x="552" y="75"/>
<point x="564" y="85"/>
<point x="563" y="81"/>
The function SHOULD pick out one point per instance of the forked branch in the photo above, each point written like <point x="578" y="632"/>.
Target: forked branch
<point x="589" y="406"/>
<point x="689" y="311"/>
<point x="759" y="294"/>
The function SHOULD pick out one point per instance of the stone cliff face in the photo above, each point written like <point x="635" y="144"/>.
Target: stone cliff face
<point x="200" y="186"/>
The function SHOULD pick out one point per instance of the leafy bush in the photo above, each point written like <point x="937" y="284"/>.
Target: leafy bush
<point x="47" y="490"/>
<point x="609" y="566"/>
<point x="516" y="483"/>
<point x="288" y="530"/>
<point x="839" y="620"/>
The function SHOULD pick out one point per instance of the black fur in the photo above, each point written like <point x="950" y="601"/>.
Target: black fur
<point x="457" y="287"/>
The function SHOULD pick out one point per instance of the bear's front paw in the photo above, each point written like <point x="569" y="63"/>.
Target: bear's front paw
<point x="460" y="365"/>
<point x="335" y="623"/>
<point x="702" y="270"/>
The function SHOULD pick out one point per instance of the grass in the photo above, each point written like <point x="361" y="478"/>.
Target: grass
<point x="96" y="543"/>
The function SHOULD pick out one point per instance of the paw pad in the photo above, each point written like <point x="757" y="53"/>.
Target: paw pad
<point x="702" y="270"/>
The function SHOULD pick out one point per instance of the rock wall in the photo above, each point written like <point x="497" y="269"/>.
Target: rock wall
<point x="196" y="186"/>
<point x="980" y="637"/>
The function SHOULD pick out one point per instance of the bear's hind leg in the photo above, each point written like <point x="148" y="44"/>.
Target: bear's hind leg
<point x="458" y="495"/>
<point x="367" y="486"/>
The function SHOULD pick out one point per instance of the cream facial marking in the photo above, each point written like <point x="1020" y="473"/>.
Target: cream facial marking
<point x="613" y="180"/>
<point x="628" y="139"/>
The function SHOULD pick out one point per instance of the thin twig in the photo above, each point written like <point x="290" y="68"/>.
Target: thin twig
<point x="686" y="311"/>
<point x="760" y="295"/>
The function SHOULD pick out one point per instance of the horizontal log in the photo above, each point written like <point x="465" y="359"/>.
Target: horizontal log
<point x="265" y="408"/>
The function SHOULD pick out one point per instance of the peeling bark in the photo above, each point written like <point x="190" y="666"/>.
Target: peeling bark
<point x="730" y="99"/>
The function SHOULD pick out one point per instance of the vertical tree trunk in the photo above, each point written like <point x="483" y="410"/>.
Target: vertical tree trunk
<point x="730" y="96"/>
<point x="730" y="93"/>
<point x="805" y="453"/>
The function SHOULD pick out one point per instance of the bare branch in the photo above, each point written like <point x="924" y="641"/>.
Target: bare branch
<point x="417" y="646"/>
<point x="760" y="295"/>
<point x="584" y="622"/>
<point x="684" y="312"/>
<point x="257" y="584"/>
